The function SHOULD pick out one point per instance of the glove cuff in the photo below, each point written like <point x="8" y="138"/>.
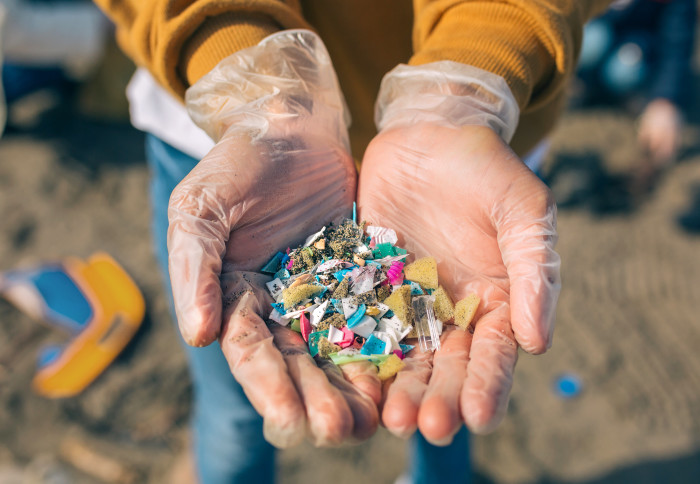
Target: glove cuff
<point x="286" y="77"/>
<point x="446" y="93"/>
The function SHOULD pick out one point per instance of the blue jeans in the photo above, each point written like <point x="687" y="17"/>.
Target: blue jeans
<point x="228" y="442"/>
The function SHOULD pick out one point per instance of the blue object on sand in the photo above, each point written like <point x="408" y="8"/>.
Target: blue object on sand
<point x="568" y="386"/>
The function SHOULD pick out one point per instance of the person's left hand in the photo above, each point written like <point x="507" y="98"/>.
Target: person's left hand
<point x="660" y="127"/>
<point x="462" y="196"/>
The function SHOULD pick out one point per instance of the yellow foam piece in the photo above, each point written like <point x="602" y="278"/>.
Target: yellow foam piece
<point x="444" y="307"/>
<point x="465" y="310"/>
<point x="390" y="367"/>
<point x="294" y="295"/>
<point x="400" y="303"/>
<point x="423" y="271"/>
<point x="325" y="347"/>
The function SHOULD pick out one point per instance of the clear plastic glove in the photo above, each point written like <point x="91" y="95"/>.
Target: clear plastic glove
<point x="441" y="174"/>
<point x="660" y="127"/>
<point x="280" y="169"/>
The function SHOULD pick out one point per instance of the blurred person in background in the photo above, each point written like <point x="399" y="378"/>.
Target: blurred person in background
<point x="48" y="44"/>
<point x="268" y="161"/>
<point x="638" y="55"/>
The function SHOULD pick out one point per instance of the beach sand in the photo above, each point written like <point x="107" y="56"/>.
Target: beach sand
<point x="628" y="322"/>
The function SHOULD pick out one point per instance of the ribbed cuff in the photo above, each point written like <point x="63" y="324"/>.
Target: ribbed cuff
<point x="506" y="41"/>
<point x="220" y="37"/>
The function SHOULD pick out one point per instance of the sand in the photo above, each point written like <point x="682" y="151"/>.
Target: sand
<point x="628" y="322"/>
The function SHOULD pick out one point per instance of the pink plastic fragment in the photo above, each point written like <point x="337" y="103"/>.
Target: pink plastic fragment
<point x="290" y="264"/>
<point x="305" y="326"/>
<point x="399" y="353"/>
<point x="348" y="338"/>
<point x="395" y="273"/>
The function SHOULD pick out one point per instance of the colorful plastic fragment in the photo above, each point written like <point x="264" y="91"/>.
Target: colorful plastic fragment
<point x="395" y="273"/>
<point x="305" y="326"/>
<point x="352" y="296"/>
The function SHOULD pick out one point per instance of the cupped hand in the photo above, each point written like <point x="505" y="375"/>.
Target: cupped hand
<point x="243" y="202"/>
<point x="462" y="196"/>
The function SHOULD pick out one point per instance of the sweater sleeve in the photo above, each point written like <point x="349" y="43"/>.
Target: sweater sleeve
<point x="180" y="41"/>
<point x="532" y="44"/>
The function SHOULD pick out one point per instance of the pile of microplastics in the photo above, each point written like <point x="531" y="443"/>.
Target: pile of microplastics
<point x="349" y="293"/>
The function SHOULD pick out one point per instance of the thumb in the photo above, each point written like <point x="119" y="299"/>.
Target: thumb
<point x="526" y="237"/>
<point x="200" y="216"/>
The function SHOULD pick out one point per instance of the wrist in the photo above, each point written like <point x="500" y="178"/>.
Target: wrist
<point x="449" y="94"/>
<point x="286" y="81"/>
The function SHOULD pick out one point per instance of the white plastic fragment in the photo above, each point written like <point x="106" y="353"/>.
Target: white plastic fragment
<point x="365" y="327"/>
<point x="383" y="309"/>
<point x="295" y="314"/>
<point x="360" y="249"/>
<point x="349" y="307"/>
<point x="314" y="237"/>
<point x="335" y="335"/>
<point x="390" y="339"/>
<point x="275" y="287"/>
<point x="318" y="313"/>
<point x="277" y="318"/>
<point x="396" y="325"/>
<point x="388" y="260"/>
<point x="362" y="279"/>
<point x="382" y="235"/>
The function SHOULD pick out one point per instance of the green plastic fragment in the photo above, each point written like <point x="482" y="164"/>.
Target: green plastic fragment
<point x="295" y="325"/>
<point x="345" y="359"/>
<point x="383" y="250"/>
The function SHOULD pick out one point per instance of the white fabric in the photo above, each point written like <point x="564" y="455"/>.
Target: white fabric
<point x="156" y="111"/>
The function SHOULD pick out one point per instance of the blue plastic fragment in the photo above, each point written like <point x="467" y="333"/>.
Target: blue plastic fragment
<point x="416" y="290"/>
<point x="273" y="264"/>
<point x="279" y="307"/>
<point x="338" y="305"/>
<point x="354" y="212"/>
<point x="285" y="259"/>
<point x="373" y="346"/>
<point x="357" y="316"/>
<point x="340" y="275"/>
<point x="406" y="348"/>
<point x="282" y="274"/>
<point x="568" y="386"/>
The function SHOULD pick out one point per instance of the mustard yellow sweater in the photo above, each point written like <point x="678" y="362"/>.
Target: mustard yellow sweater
<point x="533" y="44"/>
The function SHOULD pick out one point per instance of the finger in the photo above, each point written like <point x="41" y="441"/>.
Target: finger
<point x="527" y="245"/>
<point x="197" y="234"/>
<point x="492" y="358"/>
<point x="329" y="418"/>
<point x="365" y="416"/>
<point x="403" y="395"/>
<point x="257" y="364"/>
<point x="363" y="376"/>
<point x="439" y="418"/>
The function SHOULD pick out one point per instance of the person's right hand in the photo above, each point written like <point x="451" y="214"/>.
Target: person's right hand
<point x="280" y="169"/>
